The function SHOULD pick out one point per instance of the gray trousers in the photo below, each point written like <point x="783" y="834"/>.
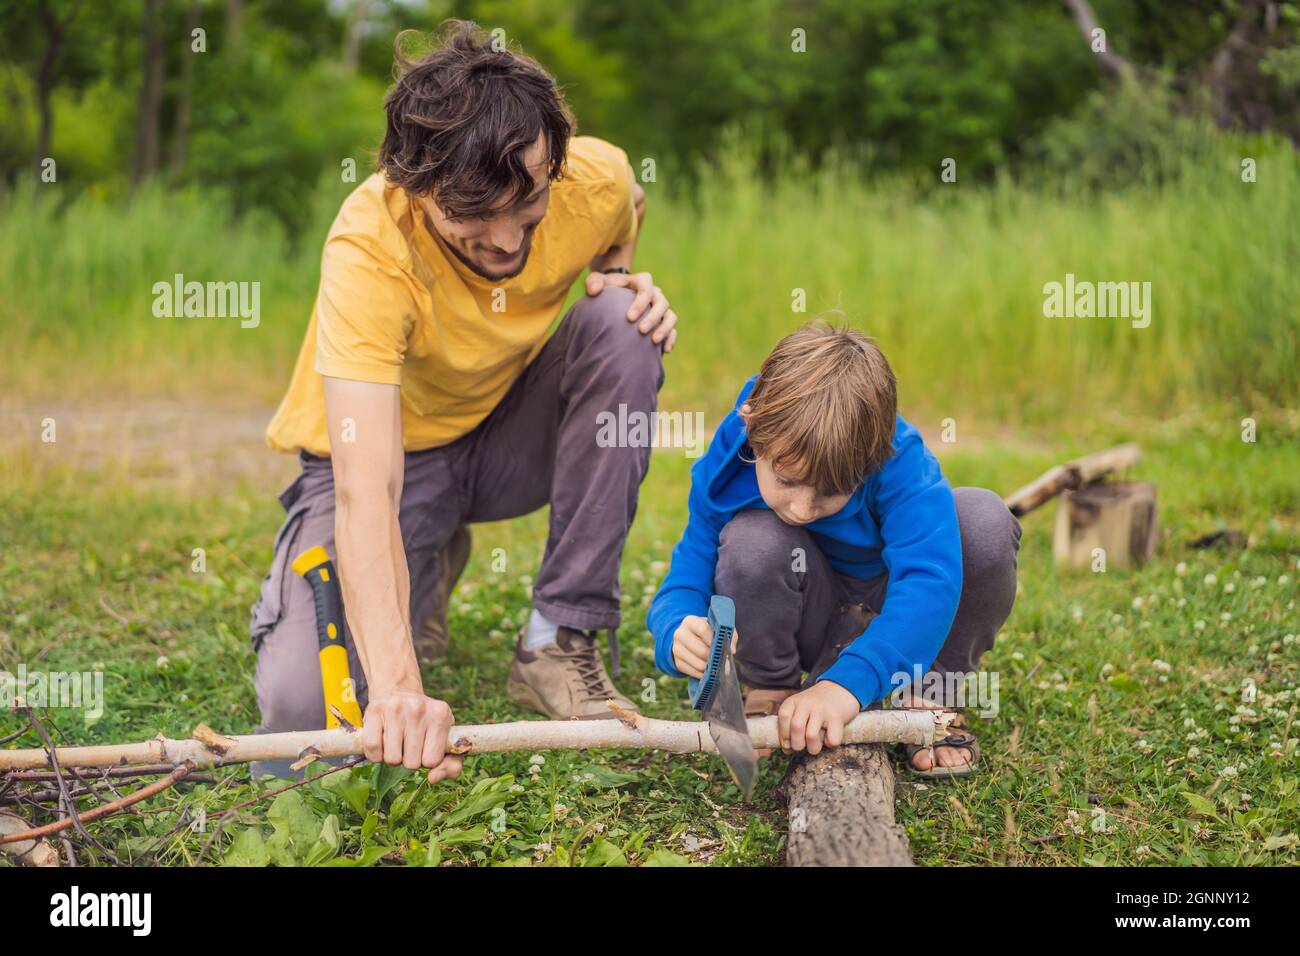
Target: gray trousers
<point x="537" y="447"/>
<point x="792" y="621"/>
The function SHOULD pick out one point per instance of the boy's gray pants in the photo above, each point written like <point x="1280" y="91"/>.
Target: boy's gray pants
<point x="538" y="446"/>
<point x="794" y="621"/>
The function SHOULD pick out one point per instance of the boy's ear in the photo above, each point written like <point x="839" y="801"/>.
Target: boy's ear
<point x="745" y="412"/>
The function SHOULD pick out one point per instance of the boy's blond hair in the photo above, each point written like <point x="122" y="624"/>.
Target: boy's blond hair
<point x="823" y="409"/>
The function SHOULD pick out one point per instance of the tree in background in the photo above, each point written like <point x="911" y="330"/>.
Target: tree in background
<point x="285" y="93"/>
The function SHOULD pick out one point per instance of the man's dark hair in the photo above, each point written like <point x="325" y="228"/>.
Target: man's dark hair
<point x="461" y="118"/>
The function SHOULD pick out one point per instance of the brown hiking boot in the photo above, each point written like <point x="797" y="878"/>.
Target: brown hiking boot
<point x="564" y="680"/>
<point x="432" y="637"/>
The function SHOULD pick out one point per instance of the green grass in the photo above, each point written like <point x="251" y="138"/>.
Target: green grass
<point x="99" y="576"/>
<point x="938" y="280"/>
<point x="1113" y="697"/>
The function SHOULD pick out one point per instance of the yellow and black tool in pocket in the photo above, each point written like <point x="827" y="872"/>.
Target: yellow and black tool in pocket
<point x="315" y="565"/>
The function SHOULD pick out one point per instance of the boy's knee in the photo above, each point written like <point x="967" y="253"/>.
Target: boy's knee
<point x="760" y="545"/>
<point x="990" y="533"/>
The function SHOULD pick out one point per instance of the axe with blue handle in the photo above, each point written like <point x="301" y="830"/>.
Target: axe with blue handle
<point x="717" y="696"/>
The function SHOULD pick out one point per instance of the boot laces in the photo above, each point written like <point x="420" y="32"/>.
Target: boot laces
<point x="585" y="664"/>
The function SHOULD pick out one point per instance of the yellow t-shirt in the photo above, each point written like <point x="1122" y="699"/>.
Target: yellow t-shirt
<point x="395" y="308"/>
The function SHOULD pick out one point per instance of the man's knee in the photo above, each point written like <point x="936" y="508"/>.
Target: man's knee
<point x="758" y="546"/>
<point x="288" y="685"/>
<point x="602" y="324"/>
<point x="990" y="535"/>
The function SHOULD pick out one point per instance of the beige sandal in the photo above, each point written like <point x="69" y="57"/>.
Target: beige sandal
<point x="959" y="735"/>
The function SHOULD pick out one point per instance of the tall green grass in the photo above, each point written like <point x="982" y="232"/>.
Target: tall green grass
<point x="949" y="282"/>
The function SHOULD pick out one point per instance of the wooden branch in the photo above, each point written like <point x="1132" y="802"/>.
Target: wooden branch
<point x="1112" y="64"/>
<point x="1071" y="476"/>
<point x="882" y="726"/>
<point x="103" y="810"/>
<point x="841" y="809"/>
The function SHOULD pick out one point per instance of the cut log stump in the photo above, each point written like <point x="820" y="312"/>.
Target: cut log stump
<point x="1119" y="518"/>
<point x="841" y="809"/>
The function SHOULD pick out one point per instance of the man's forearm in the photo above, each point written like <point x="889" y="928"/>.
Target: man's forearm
<point x="376" y="590"/>
<point x="618" y="257"/>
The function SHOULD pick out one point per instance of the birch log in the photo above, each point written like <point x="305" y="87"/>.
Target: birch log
<point x="841" y="809"/>
<point x="209" y="749"/>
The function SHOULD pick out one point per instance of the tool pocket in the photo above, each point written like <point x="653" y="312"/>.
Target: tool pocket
<point x="269" y="609"/>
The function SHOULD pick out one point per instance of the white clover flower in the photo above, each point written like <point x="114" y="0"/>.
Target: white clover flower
<point x="1076" y="612"/>
<point x="1228" y="771"/>
<point x="1137" y="603"/>
<point x="1259" y="582"/>
<point x="1160" y="665"/>
<point x="1142" y="852"/>
<point x="537" y="758"/>
<point x="1017" y="656"/>
<point x="1189" y="721"/>
<point x="1229" y="588"/>
<point x="1107" y="669"/>
<point x="1283" y="580"/>
<point x="1210" y="580"/>
<point x="1225" y="616"/>
<point x="1182" y="602"/>
<point x="1180" y="568"/>
<point x="163" y="662"/>
<point x="1193" y="753"/>
<point x="1199" y="625"/>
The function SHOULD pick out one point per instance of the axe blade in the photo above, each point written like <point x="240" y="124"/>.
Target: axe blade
<point x="725" y="714"/>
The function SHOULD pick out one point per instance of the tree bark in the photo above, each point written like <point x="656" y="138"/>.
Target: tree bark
<point x="56" y="30"/>
<point x="841" y="810"/>
<point x="145" y="158"/>
<point x="181" y="129"/>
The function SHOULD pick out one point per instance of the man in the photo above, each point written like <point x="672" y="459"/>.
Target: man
<point x="426" y="396"/>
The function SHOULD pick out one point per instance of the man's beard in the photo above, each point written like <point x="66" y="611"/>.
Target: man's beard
<point x="479" y="271"/>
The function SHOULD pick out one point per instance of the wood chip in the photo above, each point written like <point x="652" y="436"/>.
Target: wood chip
<point x="217" y="743"/>
<point x="307" y="757"/>
<point x="629" y="717"/>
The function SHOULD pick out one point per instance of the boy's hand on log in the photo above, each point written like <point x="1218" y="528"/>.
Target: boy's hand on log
<point x="410" y="729"/>
<point x="692" y="642"/>
<point x="815" y="717"/>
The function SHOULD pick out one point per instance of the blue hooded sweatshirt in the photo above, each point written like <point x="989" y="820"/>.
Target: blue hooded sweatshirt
<point x="901" y="519"/>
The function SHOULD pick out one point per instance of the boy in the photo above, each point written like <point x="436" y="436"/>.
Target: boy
<point x="822" y="514"/>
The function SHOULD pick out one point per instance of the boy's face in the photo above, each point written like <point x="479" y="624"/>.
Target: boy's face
<point x="792" y="502"/>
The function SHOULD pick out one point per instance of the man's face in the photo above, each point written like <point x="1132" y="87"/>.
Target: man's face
<point x="496" y="246"/>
